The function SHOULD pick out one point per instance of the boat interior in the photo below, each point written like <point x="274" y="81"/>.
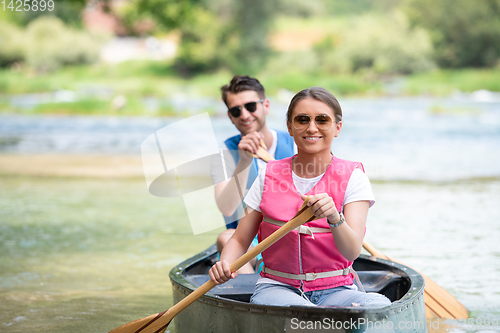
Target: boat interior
<point x="375" y="275"/>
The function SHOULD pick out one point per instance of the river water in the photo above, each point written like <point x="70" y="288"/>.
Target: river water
<point x="90" y="254"/>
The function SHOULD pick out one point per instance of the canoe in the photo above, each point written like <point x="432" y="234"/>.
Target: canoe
<point x="226" y="308"/>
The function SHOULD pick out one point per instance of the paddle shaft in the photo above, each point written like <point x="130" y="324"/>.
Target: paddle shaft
<point x="249" y="255"/>
<point x="158" y="323"/>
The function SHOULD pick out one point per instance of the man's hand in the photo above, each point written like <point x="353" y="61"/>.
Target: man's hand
<point x="249" y="143"/>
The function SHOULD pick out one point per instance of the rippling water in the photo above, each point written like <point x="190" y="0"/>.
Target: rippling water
<point x="80" y="255"/>
<point x="397" y="139"/>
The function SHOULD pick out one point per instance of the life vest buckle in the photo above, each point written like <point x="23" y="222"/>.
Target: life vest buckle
<point x="311" y="276"/>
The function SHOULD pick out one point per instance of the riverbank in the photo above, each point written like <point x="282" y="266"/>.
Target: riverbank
<point x="67" y="165"/>
<point x="152" y="88"/>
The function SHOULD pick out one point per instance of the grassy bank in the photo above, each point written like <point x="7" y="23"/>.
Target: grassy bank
<point x="444" y="82"/>
<point x="95" y="87"/>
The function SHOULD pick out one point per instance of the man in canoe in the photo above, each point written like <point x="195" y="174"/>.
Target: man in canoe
<point x="311" y="265"/>
<point x="247" y="107"/>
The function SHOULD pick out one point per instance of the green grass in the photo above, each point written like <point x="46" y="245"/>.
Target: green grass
<point x="338" y="84"/>
<point x="138" y="79"/>
<point x="444" y="82"/>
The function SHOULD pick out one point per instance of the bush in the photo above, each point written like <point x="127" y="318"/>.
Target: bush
<point x="206" y="44"/>
<point x="11" y="46"/>
<point x="379" y="45"/>
<point x="464" y="33"/>
<point x="49" y="44"/>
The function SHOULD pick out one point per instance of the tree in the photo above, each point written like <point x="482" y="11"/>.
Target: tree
<point x="215" y="33"/>
<point x="464" y="33"/>
<point x="67" y="11"/>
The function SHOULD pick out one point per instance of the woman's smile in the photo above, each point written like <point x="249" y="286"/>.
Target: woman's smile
<point x="312" y="139"/>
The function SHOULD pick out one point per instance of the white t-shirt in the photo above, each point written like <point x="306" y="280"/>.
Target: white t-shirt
<point x="358" y="189"/>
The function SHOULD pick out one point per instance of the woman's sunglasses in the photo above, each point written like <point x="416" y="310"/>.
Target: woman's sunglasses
<point x="235" y="111"/>
<point x="322" y="121"/>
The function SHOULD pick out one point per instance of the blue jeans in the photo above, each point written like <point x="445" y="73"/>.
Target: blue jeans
<point x="284" y="295"/>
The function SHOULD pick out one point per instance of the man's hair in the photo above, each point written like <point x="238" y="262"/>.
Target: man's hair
<point x="241" y="83"/>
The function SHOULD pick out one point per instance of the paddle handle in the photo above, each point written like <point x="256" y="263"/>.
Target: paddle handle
<point x="262" y="153"/>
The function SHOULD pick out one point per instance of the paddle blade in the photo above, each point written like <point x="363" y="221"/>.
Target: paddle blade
<point x="156" y="323"/>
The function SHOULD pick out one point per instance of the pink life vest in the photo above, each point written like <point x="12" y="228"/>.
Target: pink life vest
<point x="299" y="253"/>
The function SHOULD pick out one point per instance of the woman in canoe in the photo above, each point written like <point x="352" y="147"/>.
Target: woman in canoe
<point x="311" y="265"/>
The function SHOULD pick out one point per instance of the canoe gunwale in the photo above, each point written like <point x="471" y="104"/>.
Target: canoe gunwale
<point x="413" y="297"/>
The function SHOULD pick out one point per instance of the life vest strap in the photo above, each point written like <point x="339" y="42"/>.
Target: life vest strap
<point x="307" y="276"/>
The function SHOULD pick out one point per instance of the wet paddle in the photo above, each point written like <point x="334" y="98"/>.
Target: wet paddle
<point x="438" y="302"/>
<point x="157" y="323"/>
<point x="262" y="152"/>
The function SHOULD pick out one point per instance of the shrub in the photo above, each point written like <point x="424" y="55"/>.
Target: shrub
<point x="49" y="44"/>
<point x="464" y="33"/>
<point x="206" y="44"/>
<point x="380" y="45"/>
<point x="11" y="46"/>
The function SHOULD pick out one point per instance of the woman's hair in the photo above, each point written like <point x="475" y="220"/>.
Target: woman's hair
<point x="241" y="83"/>
<point x="319" y="94"/>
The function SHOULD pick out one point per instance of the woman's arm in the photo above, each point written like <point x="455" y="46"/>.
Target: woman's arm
<point x="236" y="246"/>
<point x="348" y="236"/>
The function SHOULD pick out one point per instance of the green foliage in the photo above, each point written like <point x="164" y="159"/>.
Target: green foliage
<point x="357" y="7"/>
<point x="168" y="14"/>
<point x="252" y="20"/>
<point x="301" y="8"/>
<point x="380" y="45"/>
<point x="214" y="34"/>
<point x="445" y="82"/>
<point x="342" y="84"/>
<point x="49" y="44"/>
<point x="67" y="11"/>
<point x="371" y="44"/>
<point x="11" y="46"/>
<point x="464" y="33"/>
<point x="206" y="44"/>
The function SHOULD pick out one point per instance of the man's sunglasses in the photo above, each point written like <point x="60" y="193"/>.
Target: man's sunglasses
<point x="235" y="111"/>
<point x="322" y="121"/>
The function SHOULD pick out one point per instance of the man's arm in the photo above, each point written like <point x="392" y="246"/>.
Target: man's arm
<point x="229" y="194"/>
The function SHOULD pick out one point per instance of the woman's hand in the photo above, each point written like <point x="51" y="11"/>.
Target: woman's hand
<point x="323" y="206"/>
<point x="221" y="273"/>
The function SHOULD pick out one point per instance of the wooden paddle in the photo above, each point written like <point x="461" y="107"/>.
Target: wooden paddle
<point x="157" y="323"/>
<point x="262" y="152"/>
<point x="438" y="302"/>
